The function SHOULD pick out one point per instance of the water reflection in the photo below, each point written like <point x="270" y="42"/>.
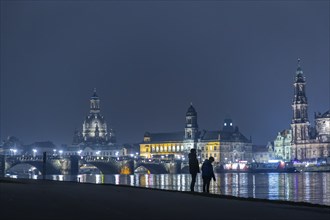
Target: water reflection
<point x="302" y="187"/>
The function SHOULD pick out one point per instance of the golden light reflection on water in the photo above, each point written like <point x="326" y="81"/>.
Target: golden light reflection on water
<point x="307" y="187"/>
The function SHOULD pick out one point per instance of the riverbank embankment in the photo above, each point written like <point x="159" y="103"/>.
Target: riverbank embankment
<point x="43" y="199"/>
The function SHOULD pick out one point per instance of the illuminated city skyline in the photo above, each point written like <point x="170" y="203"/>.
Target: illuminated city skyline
<point x="148" y="61"/>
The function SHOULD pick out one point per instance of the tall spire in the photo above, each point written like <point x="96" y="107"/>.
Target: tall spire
<point x="299" y="73"/>
<point x="299" y="89"/>
<point x="300" y="122"/>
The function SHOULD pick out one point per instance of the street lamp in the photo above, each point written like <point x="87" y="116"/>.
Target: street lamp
<point x="61" y="152"/>
<point x="15" y="150"/>
<point x="34" y="152"/>
<point x="54" y="150"/>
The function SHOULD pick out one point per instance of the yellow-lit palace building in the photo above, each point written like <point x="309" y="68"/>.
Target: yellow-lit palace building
<point x="224" y="145"/>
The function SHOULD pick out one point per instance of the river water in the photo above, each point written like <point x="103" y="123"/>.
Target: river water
<point x="298" y="187"/>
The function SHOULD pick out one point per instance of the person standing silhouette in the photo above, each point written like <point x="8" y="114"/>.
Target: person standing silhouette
<point x="207" y="174"/>
<point x="193" y="168"/>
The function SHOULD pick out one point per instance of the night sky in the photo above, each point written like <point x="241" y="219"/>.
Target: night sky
<point x="150" y="59"/>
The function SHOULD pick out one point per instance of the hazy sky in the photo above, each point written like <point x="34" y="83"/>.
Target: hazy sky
<point x="150" y="59"/>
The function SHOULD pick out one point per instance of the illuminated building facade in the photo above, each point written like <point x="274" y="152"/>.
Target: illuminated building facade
<point x="263" y="153"/>
<point x="234" y="145"/>
<point x="308" y="142"/>
<point x="172" y="145"/>
<point x="224" y="145"/>
<point x="282" y="145"/>
<point x="163" y="145"/>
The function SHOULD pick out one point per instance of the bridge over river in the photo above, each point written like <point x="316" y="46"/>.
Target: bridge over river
<point x="56" y="165"/>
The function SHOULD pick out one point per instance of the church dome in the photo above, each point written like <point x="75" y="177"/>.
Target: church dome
<point x="191" y="111"/>
<point x="95" y="118"/>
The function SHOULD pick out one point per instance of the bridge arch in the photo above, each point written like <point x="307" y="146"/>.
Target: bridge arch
<point x="151" y="168"/>
<point x="105" y="166"/>
<point x="22" y="169"/>
<point x="50" y="169"/>
<point x="142" y="170"/>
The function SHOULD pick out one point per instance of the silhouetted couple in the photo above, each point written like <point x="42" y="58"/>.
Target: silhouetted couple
<point x="207" y="171"/>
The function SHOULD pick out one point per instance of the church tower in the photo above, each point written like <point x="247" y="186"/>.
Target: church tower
<point x="300" y="123"/>
<point x="191" y="128"/>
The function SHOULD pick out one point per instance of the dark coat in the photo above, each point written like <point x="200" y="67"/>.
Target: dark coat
<point x="193" y="163"/>
<point x="207" y="170"/>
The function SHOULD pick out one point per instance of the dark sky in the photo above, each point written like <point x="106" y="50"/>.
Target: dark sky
<point x="150" y="59"/>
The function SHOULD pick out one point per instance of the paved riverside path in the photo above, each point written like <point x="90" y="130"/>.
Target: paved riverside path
<point x="37" y="199"/>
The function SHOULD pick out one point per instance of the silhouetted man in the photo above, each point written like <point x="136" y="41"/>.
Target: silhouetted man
<point x="207" y="174"/>
<point x="193" y="168"/>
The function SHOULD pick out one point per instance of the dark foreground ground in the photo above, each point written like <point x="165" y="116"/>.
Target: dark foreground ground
<point x="37" y="199"/>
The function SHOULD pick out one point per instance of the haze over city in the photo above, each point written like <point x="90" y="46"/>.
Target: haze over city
<point x="150" y="60"/>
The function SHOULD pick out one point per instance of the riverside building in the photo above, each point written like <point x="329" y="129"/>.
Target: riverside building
<point x="226" y="145"/>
